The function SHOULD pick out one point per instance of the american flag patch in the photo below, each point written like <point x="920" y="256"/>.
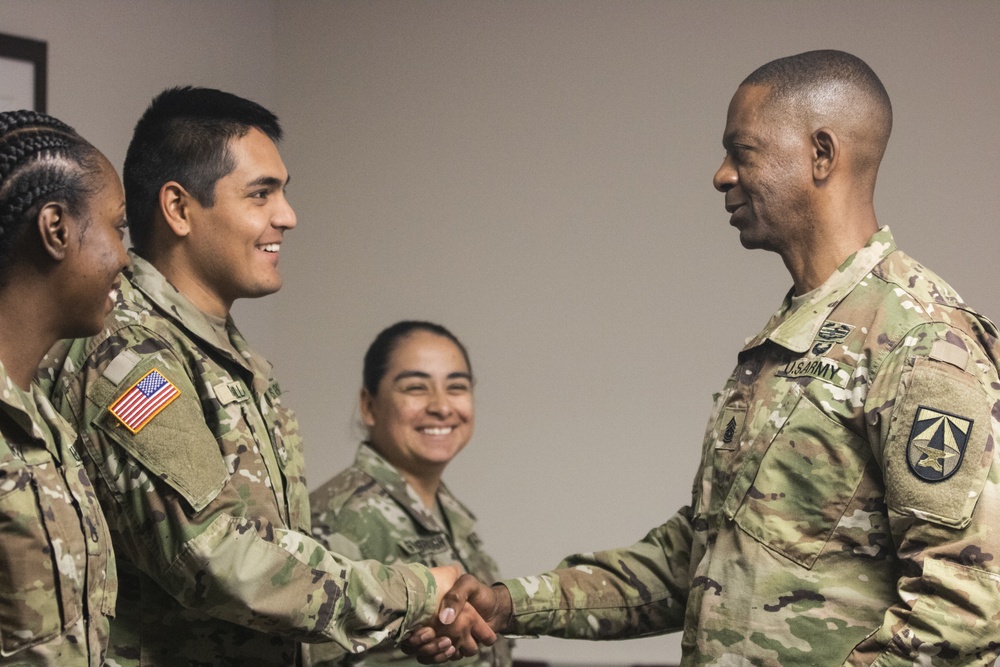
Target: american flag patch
<point x="144" y="400"/>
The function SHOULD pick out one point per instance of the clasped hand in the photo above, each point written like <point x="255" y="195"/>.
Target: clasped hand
<point x="469" y="616"/>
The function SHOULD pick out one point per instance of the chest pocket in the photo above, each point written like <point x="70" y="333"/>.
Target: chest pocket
<point x="41" y="540"/>
<point x="799" y="475"/>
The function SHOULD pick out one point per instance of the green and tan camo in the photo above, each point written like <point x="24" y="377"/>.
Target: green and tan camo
<point x="369" y="511"/>
<point x="207" y="502"/>
<point x="847" y="506"/>
<point x="57" y="571"/>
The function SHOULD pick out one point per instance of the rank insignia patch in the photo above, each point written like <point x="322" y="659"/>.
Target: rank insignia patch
<point x="727" y="437"/>
<point x="144" y="400"/>
<point x="937" y="443"/>
<point x="730" y="428"/>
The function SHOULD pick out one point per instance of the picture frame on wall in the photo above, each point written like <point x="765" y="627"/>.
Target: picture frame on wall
<point x="23" y="73"/>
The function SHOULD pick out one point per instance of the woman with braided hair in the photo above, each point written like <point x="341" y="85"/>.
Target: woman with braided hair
<point x="62" y="222"/>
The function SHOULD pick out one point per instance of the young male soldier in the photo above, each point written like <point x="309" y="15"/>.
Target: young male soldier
<point x="845" y="510"/>
<point x="196" y="459"/>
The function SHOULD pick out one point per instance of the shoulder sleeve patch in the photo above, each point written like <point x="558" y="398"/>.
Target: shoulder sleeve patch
<point x="177" y="447"/>
<point x="937" y="457"/>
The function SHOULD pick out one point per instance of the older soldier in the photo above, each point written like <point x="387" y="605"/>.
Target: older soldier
<point x="62" y="219"/>
<point x="391" y="505"/>
<point x="845" y="507"/>
<point x="199" y="461"/>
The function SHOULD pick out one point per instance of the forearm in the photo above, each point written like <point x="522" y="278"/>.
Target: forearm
<point x="290" y="585"/>
<point x="622" y="593"/>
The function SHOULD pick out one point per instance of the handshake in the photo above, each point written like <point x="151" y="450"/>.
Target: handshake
<point x="470" y="614"/>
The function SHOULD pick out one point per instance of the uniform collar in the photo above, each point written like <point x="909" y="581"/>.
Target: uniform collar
<point x="30" y="411"/>
<point x="383" y="472"/>
<point x="796" y="329"/>
<point x="221" y="335"/>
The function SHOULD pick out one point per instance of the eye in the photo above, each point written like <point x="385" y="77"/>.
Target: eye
<point x="415" y="388"/>
<point x="739" y="152"/>
<point x="259" y="194"/>
<point x="459" y="388"/>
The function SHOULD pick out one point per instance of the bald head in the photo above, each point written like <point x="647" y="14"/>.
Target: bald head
<point x="833" y="89"/>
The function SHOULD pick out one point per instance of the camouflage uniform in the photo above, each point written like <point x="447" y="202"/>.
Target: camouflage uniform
<point x="369" y="511"/>
<point x="207" y="502"/>
<point x="57" y="573"/>
<point x="846" y="505"/>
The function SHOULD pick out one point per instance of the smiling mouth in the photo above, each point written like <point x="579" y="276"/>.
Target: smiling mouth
<point x="270" y="247"/>
<point x="436" y="430"/>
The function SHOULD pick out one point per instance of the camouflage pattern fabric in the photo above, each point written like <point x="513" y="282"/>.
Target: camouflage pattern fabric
<point x="57" y="571"/>
<point x="845" y="510"/>
<point x="369" y="511"/>
<point x="206" y="501"/>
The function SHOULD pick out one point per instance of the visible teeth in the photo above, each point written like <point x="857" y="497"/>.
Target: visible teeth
<point x="271" y="247"/>
<point x="444" y="430"/>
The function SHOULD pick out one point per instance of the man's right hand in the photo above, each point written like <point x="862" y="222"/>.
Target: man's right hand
<point x="458" y="629"/>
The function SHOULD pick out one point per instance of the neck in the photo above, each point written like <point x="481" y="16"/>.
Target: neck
<point x="426" y="487"/>
<point x="176" y="268"/>
<point x="827" y="245"/>
<point x="25" y="334"/>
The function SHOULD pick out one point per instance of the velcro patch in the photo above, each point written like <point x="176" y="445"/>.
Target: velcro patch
<point x="820" y="368"/>
<point x="937" y="443"/>
<point x="144" y="400"/>
<point x="424" y="545"/>
<point x="937" y="457"/>
<point x="231" y="392"/>
<point x="831" y="332"/>
<point x="731" y="425"/>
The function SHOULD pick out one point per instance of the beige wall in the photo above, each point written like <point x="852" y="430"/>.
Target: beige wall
<point x="107" y="58"/>
<point x="536" y="175"/>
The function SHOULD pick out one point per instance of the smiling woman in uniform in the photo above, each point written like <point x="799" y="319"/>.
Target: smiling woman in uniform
<point x="417" y="405"/>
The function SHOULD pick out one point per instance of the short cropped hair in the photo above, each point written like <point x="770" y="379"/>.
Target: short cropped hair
<point x="377" y="357"/>
<point x="184" y="136"/>
<point x="42" y="160"/>
<point x="814" y="79"/>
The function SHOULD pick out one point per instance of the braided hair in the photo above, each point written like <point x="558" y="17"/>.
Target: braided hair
<point x="42" y="160"/>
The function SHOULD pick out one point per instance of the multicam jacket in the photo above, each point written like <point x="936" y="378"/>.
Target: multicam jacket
<point x="57" y="572"/>
<point x="846" y="507"/>
<point x="199" y="467"/>
<point x="369" y="511"/>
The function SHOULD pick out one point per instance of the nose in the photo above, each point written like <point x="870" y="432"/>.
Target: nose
<point x="725" y="178"/>
<point x="284" y="217"/>
<point x="439" y="405"/>
<point x="124" y="261"/>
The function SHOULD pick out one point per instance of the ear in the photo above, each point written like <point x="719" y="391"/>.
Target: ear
<point x="826" y="153"/>
<point x="175" y="205"/>
<point x="367" y="404"/>
<point x="53" y="228"/>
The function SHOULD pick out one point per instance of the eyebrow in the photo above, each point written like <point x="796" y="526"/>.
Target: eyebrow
<point x="402" y="375"/>
<point x="269" y="181"/>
